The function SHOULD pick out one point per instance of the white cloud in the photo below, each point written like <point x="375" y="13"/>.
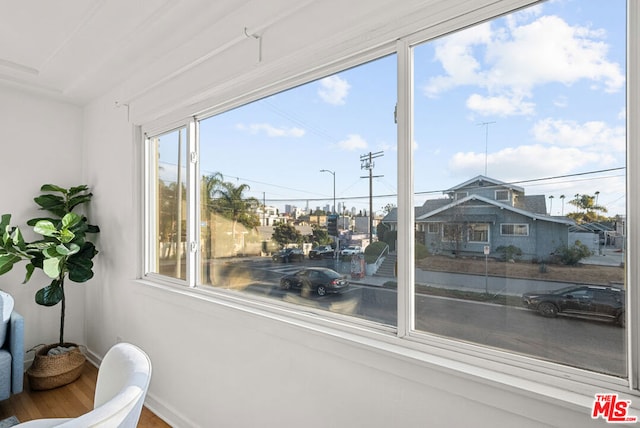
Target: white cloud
<point x="517" y="58"/>
<point x="499" y="105"/>
<point x="333" y="90"/>
<point x="593" y="135"/>
<point x="353" y="142"/>
<point x="270" y="130"/>
<point x="622" y="114"/>
<point x="540" y="161"/>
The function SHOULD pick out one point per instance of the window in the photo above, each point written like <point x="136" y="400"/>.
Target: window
<point x="478" y="233"/>
<point x="514" y="229"/>
<point x="229" y="211"/>
<point x="502" y="195"/>
<point x="488" y="111"/>
<point x="168" y="155"/>
<point x="299" y="155"/>
<point x="460" y="195"/>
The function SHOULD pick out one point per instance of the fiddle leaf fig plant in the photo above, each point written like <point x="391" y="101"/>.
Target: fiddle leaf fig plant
<point x="63" y="251"/>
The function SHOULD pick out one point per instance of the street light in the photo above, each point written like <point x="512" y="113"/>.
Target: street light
<point x="333" y="210"/>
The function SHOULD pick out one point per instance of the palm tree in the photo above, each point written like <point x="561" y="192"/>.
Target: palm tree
<point x="232" y="204"/>
<point x="589" y="208"/>
<point x="551" y="205"/>
<point x="562" y="197"/>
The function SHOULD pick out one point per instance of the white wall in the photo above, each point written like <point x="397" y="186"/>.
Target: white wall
<point x="41" y="142"/>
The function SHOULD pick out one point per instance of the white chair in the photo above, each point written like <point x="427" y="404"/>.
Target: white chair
<point x="123" y="380"/>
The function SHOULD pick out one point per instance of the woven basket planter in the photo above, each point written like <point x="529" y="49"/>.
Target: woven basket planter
<point x="52" y="371"/>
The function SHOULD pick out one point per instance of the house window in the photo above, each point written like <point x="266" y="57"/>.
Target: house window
<point x="514" y="229"/>
<point x="502" y="195"/>
<point x="478" y="232"/>
<point x="208" y="180"/>
<point x="452" y="232"/>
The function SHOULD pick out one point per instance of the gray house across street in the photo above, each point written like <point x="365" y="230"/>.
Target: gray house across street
<point x="484" y="214"/>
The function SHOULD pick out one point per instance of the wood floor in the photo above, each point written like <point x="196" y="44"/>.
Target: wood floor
<point x="67" y="401"/>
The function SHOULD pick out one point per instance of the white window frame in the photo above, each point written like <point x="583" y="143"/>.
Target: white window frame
<point x="405" y="340"/>
<point x="433" y="228"/>
<point x="508" y="193"/>
<point x="461" y="195"/>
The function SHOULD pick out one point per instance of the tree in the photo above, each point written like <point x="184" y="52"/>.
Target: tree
<point x="388" y="208"/>
<point x="229" y="201"/>
<point x="285" y="233"/>
<point x="320" y="235"/>
<point x="589" y="209"/>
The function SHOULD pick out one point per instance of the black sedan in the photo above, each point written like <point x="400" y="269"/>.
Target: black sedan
<point x="288" y="255"/>
<point x="585" y="301"/>
<point x="319" y="280"/>
<point x="322" y="251"/>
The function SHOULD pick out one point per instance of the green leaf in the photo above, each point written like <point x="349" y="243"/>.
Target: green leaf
<point x="30" y="269"/>
<point x="50" y="295"/>
<point x="77" y="200"/>
<point x="63" y="250"/>
<point x="17" y="238"/>
<point x="52" y="203"/>
<point x="70" y="220"/>
<point x="7" y="261"/>
<point x="66" y="236"/>
<point x="53" y="188"/>
<point x="78" y="189"/>
<point x="46" y="228"/>
<point x="51" y="267"/>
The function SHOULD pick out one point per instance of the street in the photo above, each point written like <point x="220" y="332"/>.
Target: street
<point x="593" y="345"/>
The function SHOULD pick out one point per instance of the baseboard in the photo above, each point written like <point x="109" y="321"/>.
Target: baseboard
<point x="165" y="412"/>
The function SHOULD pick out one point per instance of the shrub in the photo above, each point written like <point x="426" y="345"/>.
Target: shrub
<point x="510" y="252"/>
<point x="421" y="251"/>
<point x="372" y="252"/>
<point x="571" y="255"/>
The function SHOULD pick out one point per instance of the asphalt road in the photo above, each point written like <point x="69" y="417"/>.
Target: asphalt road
<point x="593" y="345"/>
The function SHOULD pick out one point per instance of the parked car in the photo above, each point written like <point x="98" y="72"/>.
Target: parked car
<point x="351" y="250"/>
<point x="316" y="279"/>
<point x="288" y="255"/>
<point x="586" y="301"/>
<point x="322" y="251"/>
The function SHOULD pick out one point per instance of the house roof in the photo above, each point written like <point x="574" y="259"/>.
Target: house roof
<point x="533" y="203"/>
<point x="482" y="182"/>
<point x="532" y="215"/>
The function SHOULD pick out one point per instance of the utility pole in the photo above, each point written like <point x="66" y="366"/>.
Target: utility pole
<point x="486" y="144"/>
<point x="366" y="162"/>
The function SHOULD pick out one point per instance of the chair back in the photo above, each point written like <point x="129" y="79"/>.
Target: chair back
<point x="123" y="381"/>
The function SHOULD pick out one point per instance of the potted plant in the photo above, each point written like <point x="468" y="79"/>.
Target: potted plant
<point x="62" y="252"/>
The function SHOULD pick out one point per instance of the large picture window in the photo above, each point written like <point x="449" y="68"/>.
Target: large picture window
<point x="492" y="120"/>
<point x="516" y="183"/>
<point x="298" y="183"/>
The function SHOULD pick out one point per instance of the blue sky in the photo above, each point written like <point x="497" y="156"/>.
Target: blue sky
<point x="549" y="80"/>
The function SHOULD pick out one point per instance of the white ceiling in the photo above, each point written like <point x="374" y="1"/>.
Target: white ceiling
<point x="78" y="49"/>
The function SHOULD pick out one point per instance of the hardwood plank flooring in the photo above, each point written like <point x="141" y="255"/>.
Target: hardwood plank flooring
<point x="68" y="401"/>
